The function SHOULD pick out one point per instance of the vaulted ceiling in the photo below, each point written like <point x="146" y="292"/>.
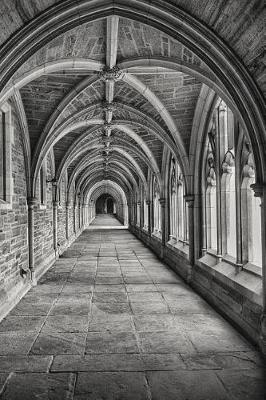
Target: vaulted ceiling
<point x="120" y="117"/>
<point x="108" y="96"/>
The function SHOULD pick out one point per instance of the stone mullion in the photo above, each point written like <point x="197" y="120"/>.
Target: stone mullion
<point x="219" y="126"/>
<point x="239" y="258"/>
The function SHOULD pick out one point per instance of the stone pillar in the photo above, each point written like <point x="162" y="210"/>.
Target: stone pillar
<point x="148" y="202"/>
<point x="141" y="210"/>
<point x="74" y="218"/>
<point x="260" y="191"/>
<point x="199" y="226"/>
<point x="79" y="215"/>
<point x="190" y="201"/>
<point x="68" y="207"/>
<point x="163" y="222"/>
<point x="55" y="226"/>
<point x="31" y="203"/>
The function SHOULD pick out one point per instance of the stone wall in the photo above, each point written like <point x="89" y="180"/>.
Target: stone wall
<point x="14" y="230"/>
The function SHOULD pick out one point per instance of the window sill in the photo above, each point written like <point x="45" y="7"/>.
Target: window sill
<point x="243" y="280"/>
<point x="178" y="245"/>
<point x="157" y="235"/>
<point x="253" y="269"/>
<point x="249" y="267"/>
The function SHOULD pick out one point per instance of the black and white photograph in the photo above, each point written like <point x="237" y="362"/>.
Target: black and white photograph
<point x="132" y="200"/>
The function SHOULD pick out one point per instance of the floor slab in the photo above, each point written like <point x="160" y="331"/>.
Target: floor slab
<point x="110" y="321"/>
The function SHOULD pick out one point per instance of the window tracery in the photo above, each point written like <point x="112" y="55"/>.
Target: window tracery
<point x="227" y="186"/>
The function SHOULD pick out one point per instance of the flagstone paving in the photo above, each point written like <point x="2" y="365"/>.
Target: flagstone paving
<point x="110" y="321"/>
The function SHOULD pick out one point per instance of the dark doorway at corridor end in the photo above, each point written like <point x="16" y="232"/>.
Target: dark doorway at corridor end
<point x="105" y="204"/>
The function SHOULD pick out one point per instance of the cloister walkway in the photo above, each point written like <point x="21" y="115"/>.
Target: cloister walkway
<point x="111" y="321"/>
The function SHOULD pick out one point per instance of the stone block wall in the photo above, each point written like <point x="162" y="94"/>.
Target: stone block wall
<point x="14" y="229"/>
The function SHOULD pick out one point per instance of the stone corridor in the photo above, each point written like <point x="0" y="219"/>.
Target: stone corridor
<point x="110" y="321"/>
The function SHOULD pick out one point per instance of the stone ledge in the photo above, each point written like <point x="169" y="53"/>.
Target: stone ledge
<point x="178" y="247"/>
<point x="244" y="282"/>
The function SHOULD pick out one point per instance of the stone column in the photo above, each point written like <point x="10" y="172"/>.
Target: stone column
<point x="141" y="210"/>
<point x="199" y="226"/>
<point x="31" y="203"/>
<point x="74" y="218"/>
<point x="163" y="221"/>
<point x="68" y="207"/>
<point x="55" y="226"/>
<point x="148" y="202"/>
<point x="260" y="191"/>
<point x="190" y="201"/>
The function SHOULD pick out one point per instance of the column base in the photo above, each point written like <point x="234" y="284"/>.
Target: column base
<point x="33" y="278"/>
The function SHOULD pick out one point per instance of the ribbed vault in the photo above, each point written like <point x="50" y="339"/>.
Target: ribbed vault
<point x="111" y="97"/>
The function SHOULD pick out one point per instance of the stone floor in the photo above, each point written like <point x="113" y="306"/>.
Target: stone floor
<point x="111" y="321"/>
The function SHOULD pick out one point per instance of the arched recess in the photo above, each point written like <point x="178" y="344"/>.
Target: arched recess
<point x="107" y="186"/>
